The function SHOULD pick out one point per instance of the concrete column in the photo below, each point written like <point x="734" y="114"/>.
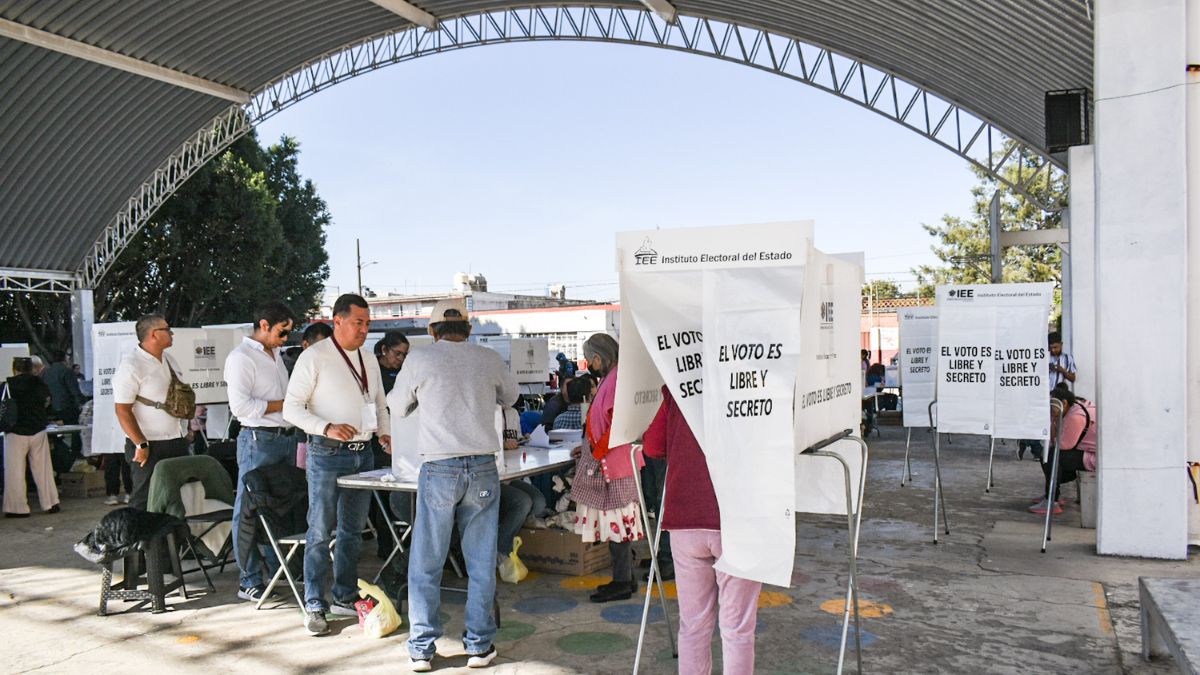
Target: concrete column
<point x="1141" y="122"/>
<point x="83" y="315"/>
<point x="1081" y="263"/>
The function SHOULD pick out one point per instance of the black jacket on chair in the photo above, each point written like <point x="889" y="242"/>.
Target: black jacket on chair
<point x="123" y="530"/>
<point x="280" y="493"/>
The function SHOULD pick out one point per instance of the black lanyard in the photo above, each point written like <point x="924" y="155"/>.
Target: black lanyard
<point x="360" y="378"/>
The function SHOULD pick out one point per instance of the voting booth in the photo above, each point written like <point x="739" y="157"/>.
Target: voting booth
<point x="992" y="371"/>
<point x="918" y="373"/>
<point x="755" y="334"/>
<point x="7" y="353"/>
<point x="199" y="352"/>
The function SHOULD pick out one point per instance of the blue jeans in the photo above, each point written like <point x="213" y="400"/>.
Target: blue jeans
<point x="330" y="508"/>
<point x="466" y="491"/>
<point x="255" y="449"/>
<point x="518" y="500"/>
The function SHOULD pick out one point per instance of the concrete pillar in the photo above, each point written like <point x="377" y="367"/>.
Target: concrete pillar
<point x="83" y="315"/>
<point x="1081" y="263"/>
<point x="1141" y="122"/>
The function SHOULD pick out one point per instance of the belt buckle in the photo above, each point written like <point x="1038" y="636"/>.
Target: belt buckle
<point x="356" y="446"/>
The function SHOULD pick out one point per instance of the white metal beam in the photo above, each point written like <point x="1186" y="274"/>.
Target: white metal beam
<point x="411" y="12"/>
<point x="104" y="57"/>
<point x="664" y="9"/>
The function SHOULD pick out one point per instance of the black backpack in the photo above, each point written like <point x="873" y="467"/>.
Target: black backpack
<point x="8" y="410"/>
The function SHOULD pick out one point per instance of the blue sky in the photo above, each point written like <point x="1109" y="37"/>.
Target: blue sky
<point x="521" y="161"/>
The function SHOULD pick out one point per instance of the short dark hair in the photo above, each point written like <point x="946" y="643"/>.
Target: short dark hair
<point x="273" y="313"/>
<point x="146" y="324"/>
<point x="1063" y="393"/>
<point x="1053" y="338"/>
<point x="390" y="339"/>
<point x="22" y="365"/>
<point x="316" y="331"/>
<point x="346" y="301"/>
<point x="57" y="355"/>
<point x="445" y="329"/>
<point x="578" y="389"/>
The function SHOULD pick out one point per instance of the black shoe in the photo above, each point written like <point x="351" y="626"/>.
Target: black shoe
<point x="314" y="622"/>
<point x="664" y="573"/>
<point x="614" y="591"/>
<point x="54" y="509"/>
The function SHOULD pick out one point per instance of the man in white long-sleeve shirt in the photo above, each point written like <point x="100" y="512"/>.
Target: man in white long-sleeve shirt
<point x="258" y="380"/>
<point x="458" y="386"/>
<point x="336" y="397"/>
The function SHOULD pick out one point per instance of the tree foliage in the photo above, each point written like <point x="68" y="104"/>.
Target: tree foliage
<point x="246" y="228"/>
<point x="964" y="247"/>
<point x="881" y="288"/>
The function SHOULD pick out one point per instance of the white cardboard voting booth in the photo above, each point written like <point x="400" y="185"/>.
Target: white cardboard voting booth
<point x="527" y="358"/>
<point x="918" y="373"/>
<point x="199" y="352"/>
<point x="7" y="353"/>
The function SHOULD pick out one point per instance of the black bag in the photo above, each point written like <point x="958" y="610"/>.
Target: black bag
<point x="8" y="410"/>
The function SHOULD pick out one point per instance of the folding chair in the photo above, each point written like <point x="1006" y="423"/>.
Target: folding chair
<point x="218" y="559"/>
<point x="294" y="543"/>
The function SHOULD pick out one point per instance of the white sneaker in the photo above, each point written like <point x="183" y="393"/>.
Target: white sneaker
<point x="482" y="660"/>
<point x="422" y="665"/>
<point x="111" y="500"/>
<point x="124" y="499"/>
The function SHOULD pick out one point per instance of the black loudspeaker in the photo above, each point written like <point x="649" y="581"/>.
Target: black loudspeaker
<point x="1066" y="119"/>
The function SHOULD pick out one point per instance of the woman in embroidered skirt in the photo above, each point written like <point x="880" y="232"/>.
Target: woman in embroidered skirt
<point x="604" y="490"/>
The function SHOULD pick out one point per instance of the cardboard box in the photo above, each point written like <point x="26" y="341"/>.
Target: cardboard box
<point x="80" y="485"/>
<point x="561" y="552"/>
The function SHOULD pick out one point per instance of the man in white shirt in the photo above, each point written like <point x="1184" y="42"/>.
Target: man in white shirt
<point x="336" y="397"/>
<point x="152" y="434"/>
<point x="258" y="380"/>
<point x="458" y="386"/>
<point x="1062" y="366"/>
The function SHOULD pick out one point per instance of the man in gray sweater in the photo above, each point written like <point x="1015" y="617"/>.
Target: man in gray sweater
<point x="458" y="387"/>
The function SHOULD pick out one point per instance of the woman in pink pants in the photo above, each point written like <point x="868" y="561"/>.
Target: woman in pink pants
<point x="706" y="596"/>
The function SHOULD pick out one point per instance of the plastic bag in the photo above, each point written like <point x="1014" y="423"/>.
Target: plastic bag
<point x="382" y="619"/>
<point x="511" y="569"/>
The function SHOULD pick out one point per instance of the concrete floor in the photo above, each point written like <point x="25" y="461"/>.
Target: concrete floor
<point x="983" y="600"/>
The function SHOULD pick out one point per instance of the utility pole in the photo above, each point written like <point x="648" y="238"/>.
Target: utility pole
<point x="359" y="264"/>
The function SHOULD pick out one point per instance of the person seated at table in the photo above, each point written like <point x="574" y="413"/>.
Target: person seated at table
<point x="579" y="391"/>
<point x="27" y="442"/>
<point x="556" y="404"/>
<point x="1078" y="451"/>
<point x="875" y="376"/>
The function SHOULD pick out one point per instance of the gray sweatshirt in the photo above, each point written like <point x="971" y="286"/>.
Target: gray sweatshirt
<point x="457" y="386"/>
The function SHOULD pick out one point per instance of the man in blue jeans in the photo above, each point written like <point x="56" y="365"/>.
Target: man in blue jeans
<point x="459" y="387"/>
<point x="258" y="380"/>
<point x="336" y="396"/>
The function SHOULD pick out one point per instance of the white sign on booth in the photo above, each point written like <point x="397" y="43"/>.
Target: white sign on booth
<point x="992" y="373"/>
<point x="717" y="313"/>
<point x="918" y="362"/>
<point x="527" y="358"/>
<point x="7" y="353"/>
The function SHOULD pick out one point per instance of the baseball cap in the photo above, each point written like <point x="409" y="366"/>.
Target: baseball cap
<point x="450" y="309"/>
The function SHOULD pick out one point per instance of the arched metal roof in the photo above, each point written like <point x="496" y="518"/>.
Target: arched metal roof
<point x="107" y="105"/>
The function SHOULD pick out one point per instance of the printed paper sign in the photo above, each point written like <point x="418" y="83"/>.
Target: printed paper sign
<point x="992" y="374"/>
<point x="918" y="362"/>
<point x="744" y="284"/>
<point x="526" y="357"/>
<point x="829" y="386"/>
<point x="110" y="343"/>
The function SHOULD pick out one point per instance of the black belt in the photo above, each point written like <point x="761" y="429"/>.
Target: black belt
<point x="281" y="431"/>
<point x="353" y="446"/>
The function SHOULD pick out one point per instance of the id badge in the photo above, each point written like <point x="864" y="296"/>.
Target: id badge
<point x="370" y="419"/>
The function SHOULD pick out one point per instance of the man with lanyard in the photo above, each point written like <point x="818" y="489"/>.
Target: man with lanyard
<point x="258" y="380"/>
<point x="336" y="397"/>
<point x="140" y="387"/>
<point x="459" y="387"/>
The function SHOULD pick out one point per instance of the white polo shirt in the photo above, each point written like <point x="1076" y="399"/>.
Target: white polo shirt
<point x="140" y="374"/>
<point x="254" y="379"/>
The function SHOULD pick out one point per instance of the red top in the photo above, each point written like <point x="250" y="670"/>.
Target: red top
<point x="691" y="502"/>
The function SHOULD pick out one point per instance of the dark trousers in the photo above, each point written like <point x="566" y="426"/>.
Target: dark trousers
<point x="622" y="561"/>
<point x="116" y="471"/>
<point x="159" y="450"/>
<point x="654" y="482"/>
<point x="1069" y="462"/>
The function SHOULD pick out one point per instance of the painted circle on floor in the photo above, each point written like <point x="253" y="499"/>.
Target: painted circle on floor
<point x="545" y="604"/>
<point x="773" y="599"/>
<point x="831" y="636"/>
<point x="668" y="589"/>
<point x="866" y="608"/>
<point x="587" y="582"/>
<point x="594" y="644"/>
<point x="512" y="631"/>
<point x="630" y="614"/>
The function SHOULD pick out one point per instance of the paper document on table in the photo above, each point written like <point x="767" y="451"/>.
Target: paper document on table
<point x="572" y="436"/>
<point x="539" y="438"/>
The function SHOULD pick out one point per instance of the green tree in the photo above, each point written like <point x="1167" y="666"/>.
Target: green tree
<point x="881" y="288"/>
<point x="963" y="244"/>
<point x="246" y="228"/>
